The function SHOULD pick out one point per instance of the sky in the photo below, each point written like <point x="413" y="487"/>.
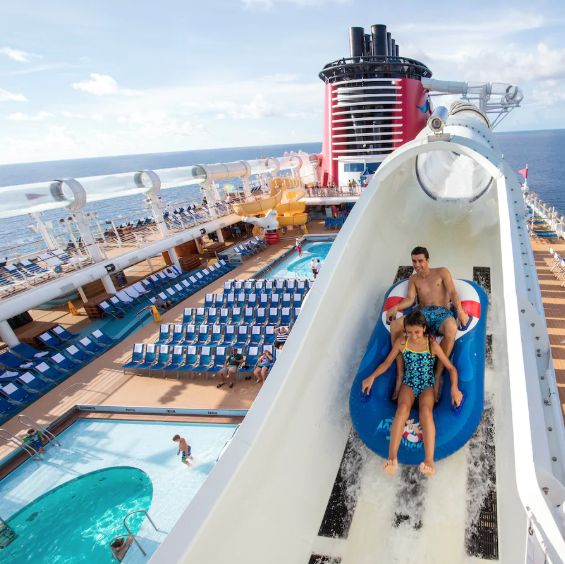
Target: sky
<point x="116" y="77"/>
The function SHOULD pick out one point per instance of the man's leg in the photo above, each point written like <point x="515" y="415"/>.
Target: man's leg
<point x="448" y="331"/>
<point x="396" y="329"/>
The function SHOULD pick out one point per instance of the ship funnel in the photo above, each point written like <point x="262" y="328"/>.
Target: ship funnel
<point x="388" y="44"/>
<point x="356" y="41"/>
<point x="392" y="48"/>
<point x="379" y="40"/>
<point x="449" y="175"/>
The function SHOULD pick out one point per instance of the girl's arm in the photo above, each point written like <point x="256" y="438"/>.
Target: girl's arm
<point x="456" y="395"/>
<point x="367" y="383"/>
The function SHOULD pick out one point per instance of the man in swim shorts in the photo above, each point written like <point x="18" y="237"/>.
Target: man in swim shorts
<point x="435" y="291"/>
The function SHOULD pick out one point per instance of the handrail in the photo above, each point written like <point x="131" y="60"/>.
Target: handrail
<point x="50" y="436"/>
<point x="226" y="444"/>
<point x="129" y="530"/>
<point x="28" y="449"/>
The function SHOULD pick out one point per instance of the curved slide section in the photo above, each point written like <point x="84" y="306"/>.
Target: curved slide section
<point x="267" y="497"/>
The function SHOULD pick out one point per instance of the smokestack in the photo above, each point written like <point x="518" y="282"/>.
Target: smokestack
<point x="389" y="44"/>
<point x="378" y="33"/>
<point x="356" y="41"/>
<point x="397" y="50"/>
<point x="393" y="48"/>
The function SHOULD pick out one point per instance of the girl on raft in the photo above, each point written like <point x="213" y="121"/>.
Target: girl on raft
<point x="419" y="353"/>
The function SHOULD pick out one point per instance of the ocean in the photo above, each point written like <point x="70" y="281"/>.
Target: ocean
<point x="540" y="150"/>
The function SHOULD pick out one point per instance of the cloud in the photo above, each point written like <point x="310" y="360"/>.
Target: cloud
<point x="102" y="85"/>
<point x="16" y="54"/>
<point x="20" y="116"/>
<point x="268" y="4"/>
<point x="7" y="96"/>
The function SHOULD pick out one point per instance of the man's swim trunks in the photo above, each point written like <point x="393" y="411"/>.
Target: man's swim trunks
<point x="435" y="316"/>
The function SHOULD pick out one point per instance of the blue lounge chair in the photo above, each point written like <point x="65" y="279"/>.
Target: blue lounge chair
<point x="228" y="286"/>
<point x="286" y="300"/>
<point x="200" y="316"/>
<point x="77" y="355"/>
<point x="297" y="300"/>
<point x="252" y="300"/>
<point x="162" y="360"/>
<point x="256" y="335"/>
<point x="7" y="409"/>
<point x="249" y="286"/>
<point x="249" y="315"/>
<point x="229" y="336"/>
<point x="220" y="355"/>
<point x="62" y="334"/>
<point x="217" y="335"/>
<point x="230" y="300"/>
<point x="269" y="287"/>
<point x="204" y="334"/>
<point x="259" y="286"/>
<point x="243" y="335"/>
<point x="225" y="315"/>
<point x="91" y="346"/>
<point x="264" y="300"/>
<point x="241" y="299"/>
<point x="296" y="312"/>
<point x="236" y="315"/>
<point x="102" y="338"/>
<point x="111" y="309"/>
<point x="291" y="285"/>
<point x="178" y="334"/>
<point x="275" y="300"/>
<point x="237" y="286"/>
<point x="28" y="352"/>
<point x="10" y="360"/>
<point x="16" y="394"/>
<point x="212" y="315"/>
<point x="273" y="316"/>
<point x="50" y="340"/>
<point x="261" y="316"/>
<point x="137" y="354"/>
<point x="191" y="360"/>
<point x="177" y="360"/>
<point x="33" y="384"/>
<point x="205" y="360"/>
<point x="268" y="335"/>
<point x="286" y="316"/>
<point x="190" y="334"/>
<point x="209" y="300"/>
<point x="280" y="286"/>
<point x="188" y="315"/>
<point x="251" y="358"/>
<point x="50" y="373"/>
<point x="165" y="333"/>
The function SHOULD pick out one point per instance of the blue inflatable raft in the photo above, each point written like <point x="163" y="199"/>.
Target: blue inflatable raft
<point x="372" y="415"/>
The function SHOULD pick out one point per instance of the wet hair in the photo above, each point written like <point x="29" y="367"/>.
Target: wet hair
<point x="420" y="251"/>
<point x="117" y="543"/>
<point x="176" y="438"/>
<point x="416" y="319"/>
<point x="30" y="431"/>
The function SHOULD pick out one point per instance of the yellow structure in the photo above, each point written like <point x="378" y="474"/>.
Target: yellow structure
<point x="284" y="198"/>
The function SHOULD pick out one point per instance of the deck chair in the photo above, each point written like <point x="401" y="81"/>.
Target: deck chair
<point x="102" y="338"/>
<point x="177" y="360"/>
<point x="164" y="333"/>
<point x="205" y="360"/>
<point x="243" y="335"/>
<point x="216" y="336"/>
<point x="286" y="300"/>
<point x="248" y="315"/>
<point x="285" y="316"/>
<point x="249" y="286"/>
<point x="190" y="334"/>
<point x="187" y="315"/>
<point x="212" y="315"/>
<point x="28" y="352"/>
<point x="191" y="360"/>
<point x="256" y="335"/>
<point x="280" y="286"/>
<point x="264" y="300"/>
<point x="261" y="316"/>
<point x="62" y="334"/>
<point x="275" y="300"/>
<point x="32" y="383"/>
<point x="236" y="317"/>
<point x="50" y="373"/>
<point x="178" y="334"/>
<point x="162" y="360"/>
<point x="268" y="335"/>
<point x="15" y="394"/>
<point x="220" y="355"/>
<point x="50" y="341"/>
<point x="77" y="355"/>
<point x="252" y="300"/>
<point x="149" y="359"/>
<point x="200" y="315"/>
<point x="91" y="347"/>
<point x="209" y="300"/>
<point x="224" y="315"/>
<point x="229" y="336"/>
<point x="204" y="334"/>
<point x="273" y="316"/>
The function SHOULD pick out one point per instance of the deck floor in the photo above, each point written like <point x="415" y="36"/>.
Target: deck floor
<point x="102" y="382"/>
<point x="553" y="297"/>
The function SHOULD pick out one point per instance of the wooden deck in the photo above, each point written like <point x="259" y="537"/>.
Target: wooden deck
<point x="553" y="296"/>
<point x="102" y="382"/>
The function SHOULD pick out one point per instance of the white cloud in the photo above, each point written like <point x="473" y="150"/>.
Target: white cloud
<point x="7" y="96"/>
<point x="16" y="54"/>
<point x="20" y="116"/>
<point x="102" y="85"/>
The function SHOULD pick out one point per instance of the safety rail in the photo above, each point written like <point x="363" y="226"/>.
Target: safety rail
<point x="27" y="448"/>
<point x="129" y="530"/>
<point x="26" y="420"/>
<point x="227" y="443"/>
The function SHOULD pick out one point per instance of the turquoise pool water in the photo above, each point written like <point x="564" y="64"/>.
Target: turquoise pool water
<point x="77" y="521"/>
<point x="90" y="447"/>
<point x="299" y="267"/>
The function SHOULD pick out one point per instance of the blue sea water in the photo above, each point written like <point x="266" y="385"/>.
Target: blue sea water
<point x="541" y="150"/>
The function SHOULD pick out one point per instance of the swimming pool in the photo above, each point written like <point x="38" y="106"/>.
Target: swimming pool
<point x="110" y="467"/>
<point x="294" y="266"/>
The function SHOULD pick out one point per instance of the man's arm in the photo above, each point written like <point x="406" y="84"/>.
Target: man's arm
<point x="462" y="317"/>
<point x="406" y="302"/>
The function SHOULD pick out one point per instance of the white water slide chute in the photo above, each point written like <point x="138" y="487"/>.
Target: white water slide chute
<point x="267" y="498"/>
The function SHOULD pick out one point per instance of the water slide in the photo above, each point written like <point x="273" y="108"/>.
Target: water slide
<point x="296" y="485"/>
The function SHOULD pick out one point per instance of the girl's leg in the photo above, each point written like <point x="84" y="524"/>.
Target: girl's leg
<point x="405" y="401"/>
<point x="426" y="406"/>
<point x="264" y="371"/>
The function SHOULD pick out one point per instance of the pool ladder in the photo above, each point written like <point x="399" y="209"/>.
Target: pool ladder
<point x="51" y="438"/>
<point x="27" y="448"/>
<point x="130" y="534"/>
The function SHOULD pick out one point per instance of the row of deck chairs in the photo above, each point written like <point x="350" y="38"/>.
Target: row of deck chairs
<point x="27" y="373"/>
<point x="217" y="335"/>
<point x="169" y="284"/>
<point x="25" y="273"/>
<point x="221" y="300"/>
<point x="261" y="286"/>
<point x="250" y="247"/>
<point x="191" y="360"/>
<point x="239" y="315"/>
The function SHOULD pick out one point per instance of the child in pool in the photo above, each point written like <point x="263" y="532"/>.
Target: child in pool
<point x="184" y="448"/>
<point x="419" y="353"/>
